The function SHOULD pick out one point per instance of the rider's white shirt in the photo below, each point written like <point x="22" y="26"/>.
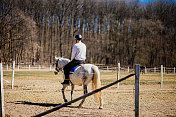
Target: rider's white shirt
<point x="79" y="51"/>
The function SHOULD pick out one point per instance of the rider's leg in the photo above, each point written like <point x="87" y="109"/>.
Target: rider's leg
<point x="67" y="70"/>
<point x="66" y="73"/>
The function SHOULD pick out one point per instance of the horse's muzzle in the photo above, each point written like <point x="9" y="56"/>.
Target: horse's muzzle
<point x="55" y="72"/>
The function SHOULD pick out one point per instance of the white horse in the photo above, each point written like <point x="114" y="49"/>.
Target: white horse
<point x="82" y="77"/>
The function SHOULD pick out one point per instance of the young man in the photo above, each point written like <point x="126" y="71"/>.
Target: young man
<point x="78" y="56"/>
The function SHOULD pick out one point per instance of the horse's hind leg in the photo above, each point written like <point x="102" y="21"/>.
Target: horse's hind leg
<point x="85" y="92"/>
<point x="63" y="94"/>
<point x="100" y="101"/>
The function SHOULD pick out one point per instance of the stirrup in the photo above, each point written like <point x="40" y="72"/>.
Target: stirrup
<point x="63" y="83"/>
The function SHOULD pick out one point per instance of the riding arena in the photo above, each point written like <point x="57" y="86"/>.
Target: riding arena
<point x="36" y="91"/>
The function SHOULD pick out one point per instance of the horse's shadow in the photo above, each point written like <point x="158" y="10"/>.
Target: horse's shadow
<point x="37" y="104"/>
<point x="41" y="104"/>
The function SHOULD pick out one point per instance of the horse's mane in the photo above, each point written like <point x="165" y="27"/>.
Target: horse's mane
<point x="62" y="59"/>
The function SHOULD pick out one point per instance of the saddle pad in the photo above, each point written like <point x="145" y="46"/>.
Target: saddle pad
<point x="74" y="68"/>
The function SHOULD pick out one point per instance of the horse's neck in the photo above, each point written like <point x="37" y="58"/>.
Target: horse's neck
<point x="65" y="61"/>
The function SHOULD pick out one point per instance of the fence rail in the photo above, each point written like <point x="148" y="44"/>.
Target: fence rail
<point x="28" y="67"/>
<point x="167" y="70"/>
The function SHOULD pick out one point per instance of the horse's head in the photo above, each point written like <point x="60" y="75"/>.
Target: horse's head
<point x="60" y="63"/>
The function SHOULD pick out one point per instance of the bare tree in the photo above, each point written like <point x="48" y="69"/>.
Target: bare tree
<point x="114" y="31"/>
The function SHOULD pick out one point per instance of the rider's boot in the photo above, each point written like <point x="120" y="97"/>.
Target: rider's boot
<point x="66" y="82"/>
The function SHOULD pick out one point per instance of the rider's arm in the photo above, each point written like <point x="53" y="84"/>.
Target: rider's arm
<point x="73" y="53"/>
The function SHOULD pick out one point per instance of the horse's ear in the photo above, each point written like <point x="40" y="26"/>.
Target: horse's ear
<point x="56" y="58"/>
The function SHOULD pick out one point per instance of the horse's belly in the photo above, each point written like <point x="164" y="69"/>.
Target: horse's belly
<point x="76" y="79"/>
<point x="82" y="74"/>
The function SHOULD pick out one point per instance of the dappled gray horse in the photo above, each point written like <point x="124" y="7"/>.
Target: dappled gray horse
<point x="82" y="75"/>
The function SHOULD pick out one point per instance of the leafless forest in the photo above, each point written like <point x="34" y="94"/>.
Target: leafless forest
<point x="129" y="32"/>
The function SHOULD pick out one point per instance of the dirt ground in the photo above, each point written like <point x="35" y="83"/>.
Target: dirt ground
<point x="35" y="93"/>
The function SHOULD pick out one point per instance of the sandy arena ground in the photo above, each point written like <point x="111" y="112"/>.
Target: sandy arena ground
<point x="33" y="94"/>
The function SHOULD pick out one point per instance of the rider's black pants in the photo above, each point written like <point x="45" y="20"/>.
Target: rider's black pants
<point x="69" y="66"/>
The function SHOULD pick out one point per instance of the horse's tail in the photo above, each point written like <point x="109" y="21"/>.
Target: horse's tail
<point x="96" y="83"/>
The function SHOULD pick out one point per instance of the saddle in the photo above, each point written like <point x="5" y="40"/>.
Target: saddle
<point x="75" y="68"/>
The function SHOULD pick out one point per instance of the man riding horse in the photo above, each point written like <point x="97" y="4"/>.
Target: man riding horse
<point x="82" y="75"/>
<point x="78" y="56"/>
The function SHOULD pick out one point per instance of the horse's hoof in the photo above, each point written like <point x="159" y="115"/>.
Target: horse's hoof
<point x="101" y="107"/>
<point x="80" y="106"/>
<point x="65" y="100"/>
<point x="55" y="73"/>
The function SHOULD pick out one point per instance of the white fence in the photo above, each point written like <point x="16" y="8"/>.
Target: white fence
<point x="28" y="67"/>
<point x="166" y="70"/>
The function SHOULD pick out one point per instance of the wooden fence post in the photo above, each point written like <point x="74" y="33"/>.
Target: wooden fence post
<point x="154" y="69"/>
<point x="7" y="67"/>
<point x="137" y="76"/>
<point x="18" y="66"/>
<point x="39" y="67"/>
<point x="161" y="76"/>
<point x="118" y="74"/>
<point x="29" y="67"/>
<point x="50" y="68"/>
<point x="2" y="113"/>
<point x="13" y="74"/>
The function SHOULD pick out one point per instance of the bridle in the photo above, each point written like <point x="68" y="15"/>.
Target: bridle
<point x="57" y="69"/>
<point x="60" y="64"/>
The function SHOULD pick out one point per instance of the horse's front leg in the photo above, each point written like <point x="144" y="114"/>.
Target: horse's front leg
<point x="63" y="93"/>
<point x="72" y="89"/>
<point x="85" y="92"/>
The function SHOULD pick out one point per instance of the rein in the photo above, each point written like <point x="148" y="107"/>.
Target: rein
<point x="58" y="69"/>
